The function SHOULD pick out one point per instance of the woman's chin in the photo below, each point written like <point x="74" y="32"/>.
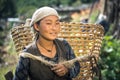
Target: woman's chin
<point x="52" y="38"/>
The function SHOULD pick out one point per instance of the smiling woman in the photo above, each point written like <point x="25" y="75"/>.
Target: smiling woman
<point x="45" y="22"/>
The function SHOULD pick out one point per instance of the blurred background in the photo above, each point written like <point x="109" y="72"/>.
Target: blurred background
<point x="104" y="12"/>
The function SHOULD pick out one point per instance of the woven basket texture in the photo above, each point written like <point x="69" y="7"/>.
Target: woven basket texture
<point x="22" y="36"/>
<point x="84" y="39"/>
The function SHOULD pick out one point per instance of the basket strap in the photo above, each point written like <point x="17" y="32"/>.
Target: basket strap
<point x="95" y="68"/>
<point x="61" y="48"/>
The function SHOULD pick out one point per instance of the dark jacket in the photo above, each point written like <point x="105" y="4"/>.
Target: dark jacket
<point x="37" y="70"/>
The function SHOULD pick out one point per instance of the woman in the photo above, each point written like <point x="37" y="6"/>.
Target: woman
<point x="46" y="23"/>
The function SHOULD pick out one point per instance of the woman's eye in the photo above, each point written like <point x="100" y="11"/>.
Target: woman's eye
<point x="48" y="23"/>
<point x="57" y="23"/>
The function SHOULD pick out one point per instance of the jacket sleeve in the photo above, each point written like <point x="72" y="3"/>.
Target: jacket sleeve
<point x="21" y="72"/>
<point x="73" y="72"/>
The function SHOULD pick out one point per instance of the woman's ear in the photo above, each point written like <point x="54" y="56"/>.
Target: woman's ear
<point x="36" y="27"/>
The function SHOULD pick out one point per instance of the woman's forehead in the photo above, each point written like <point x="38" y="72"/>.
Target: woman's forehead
<point x="50" y="18"/>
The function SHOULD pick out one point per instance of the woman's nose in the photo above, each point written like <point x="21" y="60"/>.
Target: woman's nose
<point x="54" y="27"/>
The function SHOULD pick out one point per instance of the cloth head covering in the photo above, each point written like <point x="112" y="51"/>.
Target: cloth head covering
<point x="41" y="13"/>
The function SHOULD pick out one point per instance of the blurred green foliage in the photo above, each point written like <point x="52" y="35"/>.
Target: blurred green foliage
<point x="110" y="58"/>
<point x="5" y="69"/>
<point x="26" y="8"/>
<point x="18" y="8"/>
<point x="87" y="1"/>
<point x="7" y="8"/>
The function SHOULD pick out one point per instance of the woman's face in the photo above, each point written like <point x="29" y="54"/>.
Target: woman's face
<point x="49" y="27"/>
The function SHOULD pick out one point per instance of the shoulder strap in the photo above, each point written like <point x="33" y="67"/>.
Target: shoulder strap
<point x="61" y="44"/>
<point x="62" y="47"/>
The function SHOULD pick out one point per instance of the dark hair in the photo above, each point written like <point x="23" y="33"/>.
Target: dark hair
<point x="35" y="31"/>
<point x="38" y="22"/>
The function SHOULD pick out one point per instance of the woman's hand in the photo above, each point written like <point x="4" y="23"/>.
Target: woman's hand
<point x="59" y="69"/>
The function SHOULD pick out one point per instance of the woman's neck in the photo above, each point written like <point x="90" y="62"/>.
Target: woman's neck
<point x="45" y="42"/>
<point x="47" y="48"/>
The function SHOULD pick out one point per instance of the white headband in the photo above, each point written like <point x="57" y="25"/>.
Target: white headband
<point x="41" y="13"/>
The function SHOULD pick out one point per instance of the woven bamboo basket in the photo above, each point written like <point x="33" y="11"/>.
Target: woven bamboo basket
<point x="84" y="39"/>
<point x="22" y="36"/>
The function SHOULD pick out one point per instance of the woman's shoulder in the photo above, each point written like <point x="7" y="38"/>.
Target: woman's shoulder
<point x="64" y="41"/>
